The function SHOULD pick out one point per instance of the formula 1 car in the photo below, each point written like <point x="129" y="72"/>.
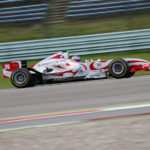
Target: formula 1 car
<point x="59" y="67"/>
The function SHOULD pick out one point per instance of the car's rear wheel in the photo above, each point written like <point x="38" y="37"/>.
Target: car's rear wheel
<point x="21" y="78"/>
<point x="119" y="68"/>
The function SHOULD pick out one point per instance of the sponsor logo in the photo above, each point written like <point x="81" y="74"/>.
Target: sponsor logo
<point x="7" y="66"/>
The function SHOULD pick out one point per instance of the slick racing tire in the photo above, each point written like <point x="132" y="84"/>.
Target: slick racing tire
<point x="119" y="68"/>
<point x="21" y="78"/>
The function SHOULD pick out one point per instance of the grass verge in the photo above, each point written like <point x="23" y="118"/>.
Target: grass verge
<point x="75" y="27"/>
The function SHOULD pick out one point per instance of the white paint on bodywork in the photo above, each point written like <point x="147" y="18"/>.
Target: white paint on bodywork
<point x="7" y="73"/>
<point x="62" y="67"/>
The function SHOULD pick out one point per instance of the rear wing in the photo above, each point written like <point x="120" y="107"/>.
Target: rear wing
<point x="8" y="68"/>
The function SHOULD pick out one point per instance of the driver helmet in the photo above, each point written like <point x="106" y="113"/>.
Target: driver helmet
<point x="77" y="58"/>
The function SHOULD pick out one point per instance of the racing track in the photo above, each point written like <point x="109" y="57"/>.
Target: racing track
<point x="74" y="96"/>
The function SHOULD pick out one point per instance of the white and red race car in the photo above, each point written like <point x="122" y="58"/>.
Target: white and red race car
<point x="59" y="67"/>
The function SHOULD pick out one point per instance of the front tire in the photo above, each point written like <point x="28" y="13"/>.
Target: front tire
<point x="21" y="78"/>
<point x="119" y="68"/>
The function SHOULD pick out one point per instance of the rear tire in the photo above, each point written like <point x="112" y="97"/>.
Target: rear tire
<point x="119" y="68"/>
<point x="21" y="78"/>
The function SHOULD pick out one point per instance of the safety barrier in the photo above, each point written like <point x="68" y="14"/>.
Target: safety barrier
<point x="77" y="45"/>
<point x="100" y="7"/>
<point x="10" y="1"/>
<point x="23" y="13"/>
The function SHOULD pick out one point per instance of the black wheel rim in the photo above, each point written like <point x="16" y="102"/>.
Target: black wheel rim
<point x="118" y="68"/>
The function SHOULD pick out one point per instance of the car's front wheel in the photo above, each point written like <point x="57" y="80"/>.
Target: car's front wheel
<point x="21" y="78"/>
<point x="119" y="68"/>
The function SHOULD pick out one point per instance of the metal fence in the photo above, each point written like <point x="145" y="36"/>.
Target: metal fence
<point x="51" y="11"/>
<point x="77" y="45"/>
<point x="23" y="13"/>
<point x="101" y="7"/>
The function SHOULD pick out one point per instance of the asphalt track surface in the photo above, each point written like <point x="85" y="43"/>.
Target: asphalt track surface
<point x="74" y="96"/>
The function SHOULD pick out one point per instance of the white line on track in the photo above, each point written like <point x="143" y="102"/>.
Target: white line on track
<point x="126" y="107"/>
<point x="40" y="126"/>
